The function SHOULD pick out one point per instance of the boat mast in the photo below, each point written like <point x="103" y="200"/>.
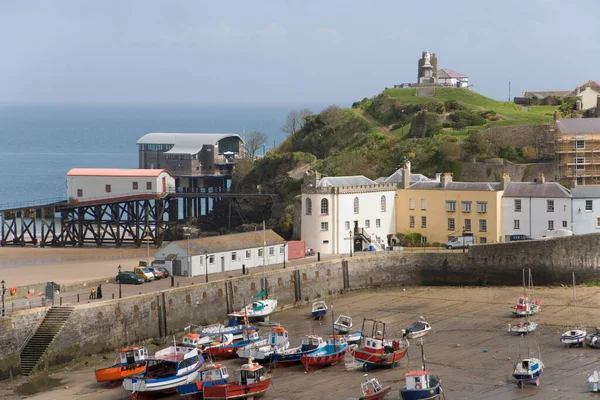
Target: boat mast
<point x="422" y="355"/>
<point x="527" y="315"/>
<point x="264" y="264"/>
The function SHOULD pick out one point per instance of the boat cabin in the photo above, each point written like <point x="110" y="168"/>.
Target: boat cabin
<point x="251" y="373"/>
<point x="344" y="320"/>
<point x="310" y="342"/>
<point x="377" y="345"/>
<point x="336" y="340"/>
<point x="370" y="386"/>
<point x="250" y="335"/>
<point x="416" y="380"/>
<point x="195" y="340"/>
<point x="319" y="306"/>
<point x="214" y="372"/>
<point x="278" y="336"/>
<point x="133" y="355"/>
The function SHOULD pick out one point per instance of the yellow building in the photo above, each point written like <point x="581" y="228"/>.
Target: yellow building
<point x="441" y="210"/>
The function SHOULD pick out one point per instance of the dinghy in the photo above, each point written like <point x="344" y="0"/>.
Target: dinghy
<point x="373" y="390"/>
<point x="416" y="330"/>
<point x="343" y="324"/>
<point x="522" y="328"/>
<point x="319" y="309"/>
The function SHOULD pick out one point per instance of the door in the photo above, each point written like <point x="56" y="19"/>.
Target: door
<point x="177" y="268"/>
<point x="355" y="226"/>
<point x="164" y="184"/>
<point x="222" y="264"/>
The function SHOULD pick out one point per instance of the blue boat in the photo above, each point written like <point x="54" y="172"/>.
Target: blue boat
<point x="249" y="336"/>
<point x="319" y="309"/>
<point x="421" y="384"/>
<point x="330" y="354"/>
<point x="354" y="337"/>
<point x="310" y="344"/>
<point x="211" y="374"/>
<point x="236" y="324"/>
<point x="528" y="370"/>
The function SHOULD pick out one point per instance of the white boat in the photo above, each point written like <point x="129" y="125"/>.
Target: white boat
<point x="194" y="339"/>
<point x="575" y="336"/>
<point x="166" y="370"/>
<point x="319" y="309"/>
<point x="523" y="328"/>
<point x="593" y="339"/>
<point x="343" y="324"/>
<point x="235" y="325"/>
<point x="526" y="307"/>
<point x="278" y="341"/>
<point x="259" y="310"/>
<point x="416" y="330"/>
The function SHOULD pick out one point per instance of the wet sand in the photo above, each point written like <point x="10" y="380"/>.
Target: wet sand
<point x="475" y="318"/>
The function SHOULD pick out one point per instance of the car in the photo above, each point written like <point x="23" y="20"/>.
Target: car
<point x="129" y="277"/>
<point x="515" y="238"/>
<point x="164" y="271"/>
<point x="156" y="272"/>
<point x="144" y="273"/>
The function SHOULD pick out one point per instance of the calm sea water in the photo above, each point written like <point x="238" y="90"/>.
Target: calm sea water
<point x="40" y="143"/>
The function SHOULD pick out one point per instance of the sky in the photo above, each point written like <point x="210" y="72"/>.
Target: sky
<point x="279" y="51"/>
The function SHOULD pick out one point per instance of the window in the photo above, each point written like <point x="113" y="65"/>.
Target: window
<point x="451" y="225"/>
<point x="589" y="205"/>
<point x="579" y="161"/>
<point x="517" y="205"/>
<point x="324" y="226"/>
<point x="551" y="225"/>
<point x="308" y="207"/>
<point x="211" y="259"/>
<point x="325" y="241"/>
<point x="451" y="206"/>
<point x="467" y="224"/>
<point x="580" y="180"/>
<point x="201" y="258"/>
<point x="411" y="204"/>
<point x="482" y="225"/>
<point x="324" y="207"/>
<point x="466" y="206"/>
<point x="347" y="225"/>
<point x="517" y="224"/>
<point x="260" y="252"/>
<point x="377" y="223"/>
<point x="79" y="192"/>
<point x="248" y="254"/>
<point x="367" y="223"/>
<point x="233" y="256"/>
<point x="482" y="240"/>
<point x="107" y="188"/>
<point x="550" y="205"/>
<point x="597" y="222"/>
<point x="282" y="250"/>
<point x="423" y="239"/>
<point x="411" y="221"/>
<point x="271" y="251"/>
<point x="148" y="185"/>
<point x="383" y="204"/>
<point x="423" y="204"/>
<point x="134" y="185"/>
<point x="580" y="144"/>
<point x="423" y="222"/>
<point x="482" y="206"/>
<point x="356" y="205"/>
<point x="564" y="224"/>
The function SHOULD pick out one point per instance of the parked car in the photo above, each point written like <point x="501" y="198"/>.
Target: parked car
<point x="515" y="238"/>
<point x="460" y="241"/>
<point x="129" y="277"/>
<point x="157" y="274"/>
<point x="144" y="273"/>
<point x="164" y="271"/>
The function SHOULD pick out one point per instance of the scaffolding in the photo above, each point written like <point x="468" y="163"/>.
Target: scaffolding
<point x="577" y="157"/>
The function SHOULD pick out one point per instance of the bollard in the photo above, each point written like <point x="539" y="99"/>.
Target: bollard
<point x="318" y="256"/>
<point x="177" y="283"/>
<point x="172" y="281"/>
<point x="113" y="296"/>
<point x="78" y="297"/>
<point x="243" y="269"/>
<point x="60" y="303"/>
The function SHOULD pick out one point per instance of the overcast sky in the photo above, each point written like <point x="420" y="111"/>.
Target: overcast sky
<point x="286" y="51"/>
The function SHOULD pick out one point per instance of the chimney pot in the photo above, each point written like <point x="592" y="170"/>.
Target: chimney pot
<point x="574" y="183"/>
<point x="541" y="178"/>
<point x="556" y="116"/>
<point x="505" y="180"/>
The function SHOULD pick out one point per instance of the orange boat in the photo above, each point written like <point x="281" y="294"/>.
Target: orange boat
<point x="131" y="361"/>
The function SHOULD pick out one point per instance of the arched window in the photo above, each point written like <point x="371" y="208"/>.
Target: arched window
<point x="324" y="207"/>
<point x="308" y="207"/>
<point x="356" y="205"/>
<point x="383" y="204"/>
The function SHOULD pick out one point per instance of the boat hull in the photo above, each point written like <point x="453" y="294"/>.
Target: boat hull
<point x="225" y="352"/>
<point x="373" y="360"/>
<point x="576" y="339"/>
<point x="421" y="394"/>
<point x="237" y="391"/>
<point x="163" y="385"/>
<point x="319" y="314"/>
<point x="313" y="361"/>
<point x="119" y="372"/>
<point x="376" y="396"/>
<point x="195" y="390"/>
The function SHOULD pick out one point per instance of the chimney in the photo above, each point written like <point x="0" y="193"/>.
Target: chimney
<point x="406" y="175"/>
<point x="597" y="107"/>
<point x="446" y="179"/>
<point x="541" y="178"/>
<point x="556" y="116"/>
<point x="574" y="183"/>
<point x="438" y="176"/>
<point x="505" y="180"/>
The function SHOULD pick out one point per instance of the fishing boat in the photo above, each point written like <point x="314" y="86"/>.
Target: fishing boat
<point x="194" y="339"/>
<point x="378" y="351"/>
<point x="416" y="330"/>
<point x="372" y="389"/>
<point x="278" y="340"/>
<point x="575" y="336"/>
<point x="319" y="309"/>
<point x="235" y="325"/>
<point x="166" y="370"/>
<point x="593" y="339"/>
<point x="310" y="344"/>
<point x="523" y="328"/>
<point x="131" y="361"/>
<point x="330" y="354"/>
<point x="343" y="324"/>
<point x="209" y="374"/>
<point x="421" y="384"/>
<point x="254" y="382"/>
<point x="249" y="336"/>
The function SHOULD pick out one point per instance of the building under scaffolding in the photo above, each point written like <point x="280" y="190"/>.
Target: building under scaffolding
<point x="577" y="148"/>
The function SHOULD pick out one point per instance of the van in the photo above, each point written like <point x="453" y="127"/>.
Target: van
<point x="144" y="273"/>
<point x="460" y="241"/>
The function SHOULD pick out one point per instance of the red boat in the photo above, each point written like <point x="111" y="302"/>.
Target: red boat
<point x="377" y="351"/>
<point x="372" y="389"/>
<point x="250" y="336"/>
<point x="254" y="382"/>
<point x="330" y="354"/>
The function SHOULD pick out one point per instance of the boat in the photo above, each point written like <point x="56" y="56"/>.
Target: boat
<point x="372" y="389"/>
<point x="343" y="324"/>
<point x="593" y="339"/>
<point x="310" y="344"/>
<point x="258" y="310"/>
<point x="319" y="309"/>
<point x="416" y="330"/>
<point x="166" y="370"/>
<point x="593" y="381"/>
<point x="526" y="307"/>
<point x="209" y="374"/>
<point x="254" y="382"/>
<point x="236" y="324"/>
<point x="528" y="369"/>
<point x="194" y="339"/>
<point x="421" y="384"/>
<point x="523" y="328"/>
<point x="378" y="351"/>
<point x="575" y="336"/>
<point x="268" y="323"/>
<point x="249" y="336"/>
<point x="131" y="361"/>
<point x="354" y="338"/>
<point x="330" y="354"/>
<point x="278" y="340"/>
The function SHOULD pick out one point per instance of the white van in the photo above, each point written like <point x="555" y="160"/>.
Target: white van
<point x="460" y="241"/>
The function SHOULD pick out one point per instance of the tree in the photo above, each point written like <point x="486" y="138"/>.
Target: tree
<point x="295" y="120"/>
<point x="475" y="145"/>
<point x="254" y="140"/>
<point x="425" y="124"/>
<point x="334" y="117"/>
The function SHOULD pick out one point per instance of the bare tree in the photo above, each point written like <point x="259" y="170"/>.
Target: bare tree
<point x="295" y="121"/>
<point x="254" y="140"/>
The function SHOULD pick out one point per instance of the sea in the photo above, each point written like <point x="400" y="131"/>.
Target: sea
<point x="39" y="143"/>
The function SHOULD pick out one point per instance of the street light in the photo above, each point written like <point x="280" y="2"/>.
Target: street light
<point x="119" y="268"/>
<point x="463" y="238"/>
<point x="3" y="291"/>
<point x="283" y="247"/>
<point x="187" y="251"/>
<point x="148" y="247"/>
<point x="206" y="265"/>
<point x="351" y="243"/>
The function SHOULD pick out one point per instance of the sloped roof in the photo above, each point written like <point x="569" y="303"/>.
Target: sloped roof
<point x="236" y="241"/>
<point x="471" y="186"/>
<point x="542" y="94"/>
<point x="578" y="125"/>
<point x="581" y="192"/>
<point x="448" y="73"/>
<point x="154" y="173"/>
<point x="396" y="177"/>
<point x="185" y="143"/>
<point x="593" y="84"/>
<point x="535" y="189"/>
<point x="340" y="181"/>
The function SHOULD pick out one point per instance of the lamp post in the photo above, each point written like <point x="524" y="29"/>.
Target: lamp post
<point x="147" y="247"/>
<point x="351" y="243"/>
<point x="463" y="238"/>
<point x="283" y="247"/>
<point x="206" y="265"/>
<point x="3" y="291"/>
<point x="119" y="268"/>
<point x="187" y="252"/>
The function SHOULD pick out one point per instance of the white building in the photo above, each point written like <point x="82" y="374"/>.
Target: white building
<point x="447" y="77"/>
<point x="348" y="211"/>
<point x="586" y="209"/>
<point x="531" y="208"/>
<point x="222" y="253"/>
